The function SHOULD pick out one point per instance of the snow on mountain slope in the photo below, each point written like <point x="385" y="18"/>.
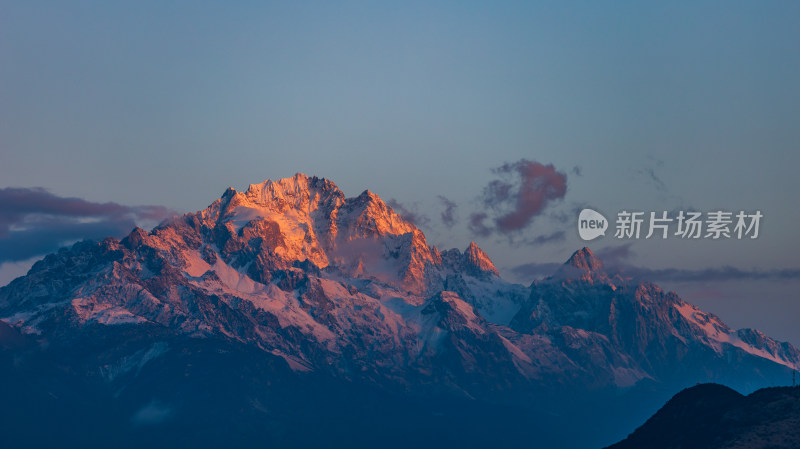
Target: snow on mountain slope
<point x="345" y="286"/>
<point x="718" y="334"/>
<point x="659" y="333"/>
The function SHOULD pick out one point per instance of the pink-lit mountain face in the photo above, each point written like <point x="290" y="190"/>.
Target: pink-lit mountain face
<point x="300" y="285"/>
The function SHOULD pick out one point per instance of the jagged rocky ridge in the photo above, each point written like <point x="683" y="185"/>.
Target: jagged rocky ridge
<point x="344" y="288"/>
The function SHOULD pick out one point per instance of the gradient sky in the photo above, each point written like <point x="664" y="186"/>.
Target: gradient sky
<point x="641" y="105"/>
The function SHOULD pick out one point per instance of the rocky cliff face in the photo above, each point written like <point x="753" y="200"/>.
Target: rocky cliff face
<point x="309" y="219"/>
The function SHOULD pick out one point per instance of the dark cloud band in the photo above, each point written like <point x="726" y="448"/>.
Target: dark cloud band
<point x="34" y="221"/>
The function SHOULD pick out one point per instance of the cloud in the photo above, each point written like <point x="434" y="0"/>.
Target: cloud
<point x="567" y="213"/>
<point x="535" y="270"/>
<point x="616" y="261"/>
<point x="724" y="273"/>
<point x="650" y="173"/>
<point x="546" y="238"/>
<point x="615" y="256"/>
<point x="523" y="192"/>
<point x="409" y="214"/>
<point x="477" y="226"/>
<point x="34" y="222"/>
<point x="365" y="257"/>
<point x="448" y="215"/>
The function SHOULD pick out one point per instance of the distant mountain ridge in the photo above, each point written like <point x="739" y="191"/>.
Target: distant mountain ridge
<point x="345" y="289"/>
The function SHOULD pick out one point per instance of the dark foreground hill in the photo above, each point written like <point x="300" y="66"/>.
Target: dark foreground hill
<point x="711" y="416"/>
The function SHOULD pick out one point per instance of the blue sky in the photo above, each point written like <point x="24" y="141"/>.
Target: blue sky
<point x="641" y="105"/>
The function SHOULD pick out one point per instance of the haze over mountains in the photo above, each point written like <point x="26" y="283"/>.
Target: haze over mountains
<point x="290" y="304"/>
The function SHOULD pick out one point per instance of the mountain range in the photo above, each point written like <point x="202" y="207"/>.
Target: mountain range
<point x="288" y="315"/>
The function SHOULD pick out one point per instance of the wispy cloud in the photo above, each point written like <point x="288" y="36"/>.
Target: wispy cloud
<point x="448" y="214"/>
<point x="718" y="274"/>
<point x="650" y="173"/>
<point x="724" y="273"/>
<point x="409" y="213"/>
<point x="523" y="191"/>
<point x="535" y="270"/>
<point x="477" y="224"/>
<point x="556" y="236"/>
<point x="567" y="213"/>
<point x="617" y="259"/>
<point x="615" y="256"/>
<point x="34" y="221"/>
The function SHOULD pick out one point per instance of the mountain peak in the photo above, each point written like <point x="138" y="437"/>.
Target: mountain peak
<point x="368" y="196"/>
<point x="584" y="259"/>
<point x="229" y="192"/>
<point x="297" y="192"/>
<point x="295" y="184"/>
<point x="478" y="261"/>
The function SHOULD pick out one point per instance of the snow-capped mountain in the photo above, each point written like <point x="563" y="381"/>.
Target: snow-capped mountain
<point x="660" y="336"/>
<point x="323" y="286"/>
